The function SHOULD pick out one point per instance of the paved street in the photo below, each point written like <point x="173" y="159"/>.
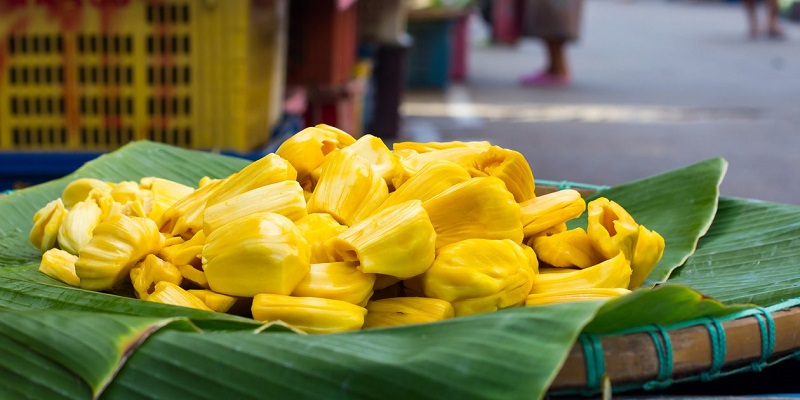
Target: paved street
<point x="658" y="84"/>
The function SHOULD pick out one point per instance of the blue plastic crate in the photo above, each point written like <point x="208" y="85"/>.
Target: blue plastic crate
<point x="428" y="61"/>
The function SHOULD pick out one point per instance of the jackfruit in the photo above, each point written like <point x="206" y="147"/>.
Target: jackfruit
<point x="509" y="166"/>
<point x="60" y="265"/>
<point x="337" y="281"/>
<point x="284" y="198"/>
<point x="309" y="314"/>
<point x="46" y="224"/>
<point x="397" y="311"/>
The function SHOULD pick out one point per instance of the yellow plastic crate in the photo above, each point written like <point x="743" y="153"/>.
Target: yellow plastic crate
<point x="94" y="75"/>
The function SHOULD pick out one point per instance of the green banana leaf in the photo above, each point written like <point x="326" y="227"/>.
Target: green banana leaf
<point x="679" y="204"/>
<point x="513" y="353"/>
<point x="750" y="255"/>
<point x="663" y="305"/>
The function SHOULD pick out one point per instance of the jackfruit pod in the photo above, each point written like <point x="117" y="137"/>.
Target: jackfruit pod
<point x="103" y="200"/>
<point x="306" y="150"/>
<point x="477" y="208"/>
<point x="78" y="190"/>
<point x="397" y="311"/>
<point x="337" y="281"/>
<point x="185" y="252"/>
<point x="185" y="217"/>
<point x="411" y="164"/>
<point x="76" y="228"/>
<point x="647" y="253"/>
<point x="148" y="272"/>
<point x="213" y="300"/>
<point x="206" y="180"/>
<point x="129" y="192"/>
<point x="46" y="224"/>
<point x="170" y="293"/>
<point x="269" y="169"/>
<point x="348" y="188"/>
<point x="165" y="193"/>
<point x="317" y="228"/>
<point x="571" y="248"/>
<point x="398" y="241"/>
<point x="132" y="208"/>
<point x="172" y="240"/>
<point x="259" y="253"/>
<point x="549" y="210"/>
<point x="431" y="180"/>
<point x="60" y="265"/>
<point x="380" y="158"/>
<point x="570" y="295"/>
<point x="611" y="228"/>
<point x="309" y="314"/>
<point x="117" y="244"/>
<point x="612" y="273"/>
<point x="508" y="165"/>
<point x="425" y="147"/>
<point x="479" y="275"/>
<point x="193" y="275"/>
<point x="284" y="198"/>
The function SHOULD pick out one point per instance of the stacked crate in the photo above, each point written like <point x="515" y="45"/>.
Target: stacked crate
<point x="94" y="75"/>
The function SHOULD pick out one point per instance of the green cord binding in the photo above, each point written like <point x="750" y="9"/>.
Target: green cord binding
<point x="766" y="326"/>
<point x="561" y="185"/>
<point x="595" y="364"/>
<point x="716" y="333"/>
<point x="663" y="346"/>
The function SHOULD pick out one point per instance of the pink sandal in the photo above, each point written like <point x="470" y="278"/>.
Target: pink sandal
<point x="543" y="79"/>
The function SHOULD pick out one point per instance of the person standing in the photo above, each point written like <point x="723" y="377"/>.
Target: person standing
<point x="773" y="26"/>
<point x="556" y="23"/>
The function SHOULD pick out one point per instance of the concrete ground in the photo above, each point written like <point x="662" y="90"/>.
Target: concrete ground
<point x="657" y="85"/>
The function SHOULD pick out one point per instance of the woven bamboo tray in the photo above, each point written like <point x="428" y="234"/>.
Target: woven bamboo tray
<point x="654" y="357"/>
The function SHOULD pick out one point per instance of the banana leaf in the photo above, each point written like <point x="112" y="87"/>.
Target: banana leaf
<point x="750" y="255"/>
<point x="679" y="204"/>
<point x="513" y="353"/>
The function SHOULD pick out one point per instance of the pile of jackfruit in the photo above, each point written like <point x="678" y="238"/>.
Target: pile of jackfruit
<point x="332" y="234"/>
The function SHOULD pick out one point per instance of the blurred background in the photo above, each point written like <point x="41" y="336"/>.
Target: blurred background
<point x="653" y="84"/>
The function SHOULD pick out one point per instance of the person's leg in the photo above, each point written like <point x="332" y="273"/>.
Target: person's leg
<point x="556" y="70"/>
<point x="557" y="59"/>
<point x="773" y="27"/>
<point x="752" y="21"/>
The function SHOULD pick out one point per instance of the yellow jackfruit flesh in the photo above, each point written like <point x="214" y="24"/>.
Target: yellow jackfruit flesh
<point x="546" y="211"/>
<point x="479" y="275"/>
<point x="477" y="208"/>
<point x="612" y="229"/>
<point x="165" y="193"/>
<point x="337" y="281"/>
<point x="284" y="198"/>
<point x="46" y="224"/>
<point x="78" y="190"/>
<point x="264" y="171"/>
<point x="259" y="253"/>
<point x="306" y="150"/>
<point x="193" y="275"/>
<point x="424" y="147"/>
<point x="380" y="158"/>
<point x="348" y="188"/>
<point x="571" y="248"/>
<point x="213" y="300"/>
<point x="185" y="217"/>
<point x="148" y="272"/>
<point x="397" y="311"/>
<point x="398" y="241"/>
<point x="429" y="181"/>
<point x="317" y="228"/>
<point x="612" y="273"/>
<point x="170" y="293"/>
<point x="185" y="252"/>
<point x="309" y="314"/>
<point x="509" y="166"/>
<point x="118" y="243"/>
<point x="59" y="264"/>
<point x="76" y="228"/>
<point x="578" y="294"/>
<point x="647" y="253"/>
<point x="412" y="164"/>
